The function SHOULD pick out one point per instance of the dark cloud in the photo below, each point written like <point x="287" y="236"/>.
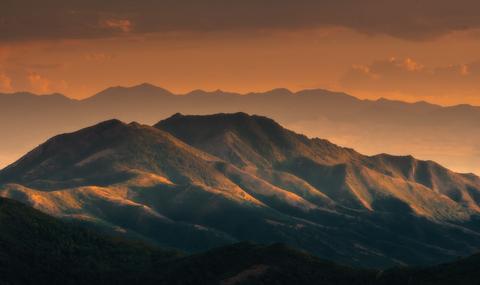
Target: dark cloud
<point x="59" y="19"/>
<point x="408" y="76"/>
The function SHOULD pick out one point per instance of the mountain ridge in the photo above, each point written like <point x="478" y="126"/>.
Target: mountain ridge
<point x="243" y="177"/>
<point x="149" y="86"/>
<point x="315" y="151"/>
<point x="143" y="87"/>
<point x="444" y="134"/>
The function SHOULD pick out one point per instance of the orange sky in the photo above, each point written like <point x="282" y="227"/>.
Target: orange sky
<point x="439" y="64"/>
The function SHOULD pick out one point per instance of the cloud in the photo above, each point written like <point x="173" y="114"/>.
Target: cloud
<point x="98" y="57"/>
<point x="71" y="19"/>
<point x="411" y="77"/>
<point x="123" y="25"/>
<point x="43" y="66"/>
<point x="5" y="83"/>
<point x="39" y="84"/>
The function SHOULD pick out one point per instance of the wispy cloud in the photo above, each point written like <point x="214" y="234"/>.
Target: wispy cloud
<point x="409" y="76"/>
<point x="39" y="83"/>
<point x="42" y="85"/>
<point x="98" y="57"/>
<point x="123" y="25"/>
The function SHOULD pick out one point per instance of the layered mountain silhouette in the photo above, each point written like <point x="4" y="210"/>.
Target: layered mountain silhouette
<point x="449" y="135"/>
<point x="196" y="182"/>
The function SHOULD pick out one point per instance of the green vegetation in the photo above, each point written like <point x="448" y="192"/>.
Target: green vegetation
<point x="199" y="182"/>
<point x="38" y="249"/>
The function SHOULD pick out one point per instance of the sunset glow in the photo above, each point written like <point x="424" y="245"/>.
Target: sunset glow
<point x="80" y="49"/>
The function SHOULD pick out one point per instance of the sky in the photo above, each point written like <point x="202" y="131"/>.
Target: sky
<point x="410" y="50"/>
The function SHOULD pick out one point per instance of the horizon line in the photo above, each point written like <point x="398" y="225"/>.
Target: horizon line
<point x="150" y="85"/>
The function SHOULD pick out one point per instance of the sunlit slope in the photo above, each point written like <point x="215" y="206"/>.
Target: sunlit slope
<point x="262" y="147"/>
<point x="38" y="249"/>
<point x="197" y="182"/>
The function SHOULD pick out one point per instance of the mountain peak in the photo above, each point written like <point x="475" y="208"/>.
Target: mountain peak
<point x="225" y="118"/>
<point x="215" y="93"/>
<point x="111" y="122"/>
<point x="281" y="90"/>
<point x="241" y="138"/>
<point x="200" y="127"/>
<point x="148" y="87"/>
<point x="175" y="116"/>
<point x="245" y="177"/>
<point x="219" y="122"/>
<point x="132" y="91"/>
<point x="274" y="92"/>
<point x="145" y="85"/>
<point x="29" y="95"/>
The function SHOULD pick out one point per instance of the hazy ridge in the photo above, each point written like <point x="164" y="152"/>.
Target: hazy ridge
<point x="449" y="135"/>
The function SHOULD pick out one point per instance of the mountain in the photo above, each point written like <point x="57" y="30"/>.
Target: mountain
<point x="91" y="175"/>
<point x="461" y="271"/>
<point x="196" y="182"/>
<point x="39" y="249"/>
<point x="448" y="135"/>
<point x="247" y="263"/>
<point x="272" y="152"/>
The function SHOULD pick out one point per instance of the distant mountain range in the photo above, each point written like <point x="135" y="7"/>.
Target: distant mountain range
<point x="197" y="182"/>
<point x="449" y="135"/>
<point x="39" y="249"/>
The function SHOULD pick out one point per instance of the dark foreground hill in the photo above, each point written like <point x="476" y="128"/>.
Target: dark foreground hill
<point x="199" y="182"/>
<point x="38" y="249"/>
<point x="247" y="263"/>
